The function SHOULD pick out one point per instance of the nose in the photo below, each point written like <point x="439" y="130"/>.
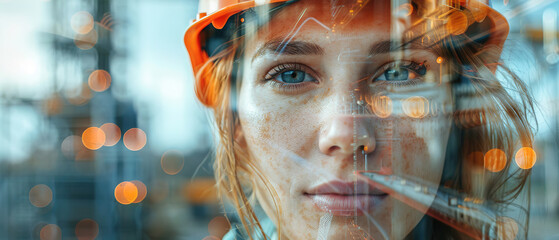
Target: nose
<point x="345" y="134"/>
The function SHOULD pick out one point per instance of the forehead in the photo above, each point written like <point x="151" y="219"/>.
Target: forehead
<point x="332" y="17"/>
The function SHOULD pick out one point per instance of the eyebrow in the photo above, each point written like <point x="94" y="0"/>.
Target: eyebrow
<point x="308" y="48"/>
<point x="392" y="46"/>
<point x="289" y="48"/>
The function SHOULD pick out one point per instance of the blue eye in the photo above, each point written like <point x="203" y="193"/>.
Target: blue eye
<point x="400" y="74"/>
<point x="294" y="76"/>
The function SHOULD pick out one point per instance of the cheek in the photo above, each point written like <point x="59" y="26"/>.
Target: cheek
<point x="421" y="148"/>
<point x="279" y="129"/>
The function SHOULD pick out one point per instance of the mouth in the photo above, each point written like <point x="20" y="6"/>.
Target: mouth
<point x="345" y="198"/>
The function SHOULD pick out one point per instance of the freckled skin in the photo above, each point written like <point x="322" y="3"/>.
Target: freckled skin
<point x="294" y="137"/>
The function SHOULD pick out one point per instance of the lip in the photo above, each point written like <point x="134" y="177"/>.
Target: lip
<point x="345" y="198"/>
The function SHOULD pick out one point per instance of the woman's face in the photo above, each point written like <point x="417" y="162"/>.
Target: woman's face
<point x="327" y="91"/>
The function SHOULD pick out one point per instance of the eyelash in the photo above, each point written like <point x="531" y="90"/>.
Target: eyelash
<point x="419" y="69"/>
<point x="273" y="73"/>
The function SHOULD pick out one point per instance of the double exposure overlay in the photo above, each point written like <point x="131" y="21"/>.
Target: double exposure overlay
<point x="279" y="119"/>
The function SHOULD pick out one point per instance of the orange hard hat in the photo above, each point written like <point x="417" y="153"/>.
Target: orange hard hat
<point x="218" y="12"/>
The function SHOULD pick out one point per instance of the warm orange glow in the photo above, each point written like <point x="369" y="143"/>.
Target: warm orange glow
<point x="40" y="195"/>
<point x="495" y="160"/>
<point x="416" y="107"/>
<point x="142" y="191"/>
<point x="82" y="22"/>
<point x="172" y="162"/>
<point x="242" y="20"/>
<point x="440" y="60"/>
<point x="86" y="41"/>
<point x="87" y="229"/>
<point x="134" y="139"/>
<point x="112" y="134"/>
<point x="126" y="193"/>
<point x="219" y="226"/>
<point x="457" y="23"/>
<point x="200" y="191"/>
<point x="508" y="228"/>
<point x="525" y="158"/>
<point x="406" y="8"/>
<point x="93" y="138"/>
<point x="382" y="106"/>
<point x="476" y="159"/>
<point x="99" y="80"/>
<point x="50" y="232"/>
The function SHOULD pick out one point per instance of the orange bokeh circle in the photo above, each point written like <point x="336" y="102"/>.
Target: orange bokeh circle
<point x="525" y="158"/>
<point x="112" y="134"/>
<point x="50" y="232"/>
<point x="507" y="228"/>
<point x="495" y="160"/>
<point x="87" y="229"/>
<point x="142" y="191"/>
<point x="93" y="138"/>
<point x="40" y="196"/>
<point x="99" y="80"/>
<point x="134" y="139"/>
<point x="219" y="226"/>
<point x="86" y="41"/>
<point x="172" y="162"/>
<point x="82" y="22"/>
<point x="416" y="107"/>
<point x="126" y="192"/>
<point x="382" y="106"/>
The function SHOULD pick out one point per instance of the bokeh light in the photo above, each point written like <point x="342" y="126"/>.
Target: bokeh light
<point x="82" y="22"/>
<point x="126" y="192"/>
<point x="219" y="226"/>
<point x="457" y="23"/>
<point x="87" y="229"/>
<point x="40" y="195"/>
<point x="142" y="191"/>
<point x="134" y="139"/>
<point x="416" y="107"/>
<point x="86" y="41"/>
<point x="172" y="162"/>
<point x="382" y="106"/>
<point x="93" y="138"/>
<point x="440" y="60"/>
<point x="495" y="160"/>
<point x="50" y="232"/>
<point x="508" y="228"/>
<point x="99" y="80"/>
<point x="525" y="158"/>
<point x="112" y="134"/>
